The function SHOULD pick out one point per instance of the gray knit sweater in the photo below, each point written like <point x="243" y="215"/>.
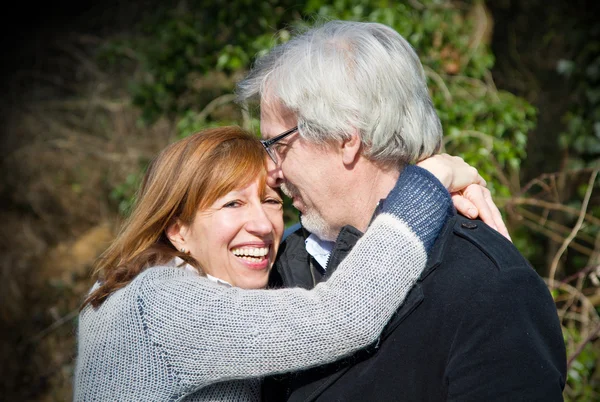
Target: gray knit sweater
<point x="172" y="335"/>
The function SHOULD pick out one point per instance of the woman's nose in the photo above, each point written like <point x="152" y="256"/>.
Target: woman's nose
<point x="258" y="222"/>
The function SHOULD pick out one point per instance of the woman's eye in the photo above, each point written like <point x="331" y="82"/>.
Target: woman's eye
<point x="232" y="204"/>
<point x="273" y="201"/>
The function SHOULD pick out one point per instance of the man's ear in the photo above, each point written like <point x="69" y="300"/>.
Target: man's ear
<point x="176" y="232"/>
<point x="351" y="149"/>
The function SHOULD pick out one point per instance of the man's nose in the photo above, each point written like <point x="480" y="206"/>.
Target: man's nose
<point x="274" y="174"/>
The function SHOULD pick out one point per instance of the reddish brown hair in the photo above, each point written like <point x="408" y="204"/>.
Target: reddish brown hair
<point x="187" y="176"/>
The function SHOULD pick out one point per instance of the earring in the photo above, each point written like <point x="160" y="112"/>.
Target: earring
<point x="182" y="249"/>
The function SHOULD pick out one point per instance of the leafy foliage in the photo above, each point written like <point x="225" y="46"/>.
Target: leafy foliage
<point x="175" y="48"/>
<point x="178" y="51"/>
<point x="582" y="136"/>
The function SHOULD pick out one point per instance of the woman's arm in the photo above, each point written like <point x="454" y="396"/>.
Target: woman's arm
<point x="207" y="333"/>
<point x="470" y="195"/>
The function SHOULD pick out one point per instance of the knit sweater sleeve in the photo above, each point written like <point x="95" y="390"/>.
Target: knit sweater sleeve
<point x="208" y="333"/>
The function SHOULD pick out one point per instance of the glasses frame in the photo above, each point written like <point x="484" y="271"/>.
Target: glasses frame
<point x="268" y="143"/>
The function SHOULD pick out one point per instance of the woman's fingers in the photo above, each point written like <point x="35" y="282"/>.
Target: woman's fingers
<point x="469" y="193"/>
<point x="454" y="173"/>
<point x="496" y="215"/>
<point x="476" y="201"/>
<point x="464" y="206"/>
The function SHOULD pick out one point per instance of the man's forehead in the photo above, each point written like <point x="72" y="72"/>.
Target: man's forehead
<point x="274" y="109"/>
<point x="275" y="118"/>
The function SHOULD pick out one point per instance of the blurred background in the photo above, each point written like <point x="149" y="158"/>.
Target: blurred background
<point x="92" y="91"/>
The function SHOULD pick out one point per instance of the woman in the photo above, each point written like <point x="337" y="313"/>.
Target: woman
<point x="175" y="323"/>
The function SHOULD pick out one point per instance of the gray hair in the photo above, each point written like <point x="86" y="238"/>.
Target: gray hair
<point x="343" y="77"/>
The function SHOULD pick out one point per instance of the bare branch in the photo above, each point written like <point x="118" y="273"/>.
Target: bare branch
<point x="55" y="325"/>
<point x="556" y="227"/>
<point x="550" y="176"/>
<point x="574" y="292"/>
<point x="440" y="83"/>
<point x="215" y="103"/>
<point x="581" y="346"/>
<point x="576" y="228"/>
<point x="557" y="238"/>
<point x="553" y="206"/>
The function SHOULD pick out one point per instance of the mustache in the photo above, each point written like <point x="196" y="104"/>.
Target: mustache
<point x="289" y="189"/>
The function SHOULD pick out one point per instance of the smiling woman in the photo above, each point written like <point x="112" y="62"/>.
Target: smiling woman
<point x="189" y="182"/>
<point x="236" y="238"/>
<point x="177" y="312"/>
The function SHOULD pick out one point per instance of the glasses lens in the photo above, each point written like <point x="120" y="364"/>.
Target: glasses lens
<point x="271" y="153"/>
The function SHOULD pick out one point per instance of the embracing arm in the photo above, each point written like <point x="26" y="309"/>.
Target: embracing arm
<point x="207" y="333"/>
<point x="470" y="195"/>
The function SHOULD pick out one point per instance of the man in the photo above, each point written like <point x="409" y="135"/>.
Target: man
<point x="344" y="107"/>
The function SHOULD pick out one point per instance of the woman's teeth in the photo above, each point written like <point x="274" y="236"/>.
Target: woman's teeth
<point x="251" y="253"/>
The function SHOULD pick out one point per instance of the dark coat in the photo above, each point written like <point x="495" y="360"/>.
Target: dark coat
<point x="480" y="325"/>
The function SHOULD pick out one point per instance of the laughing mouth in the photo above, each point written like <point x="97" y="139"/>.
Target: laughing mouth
<point x="252" y="254"/>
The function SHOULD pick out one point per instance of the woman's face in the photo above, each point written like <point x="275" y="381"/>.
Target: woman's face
<point x="236" y="239"/>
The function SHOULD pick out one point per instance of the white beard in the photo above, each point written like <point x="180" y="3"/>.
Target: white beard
<point x="311" y="220"/>
<point x="315" y="224"/>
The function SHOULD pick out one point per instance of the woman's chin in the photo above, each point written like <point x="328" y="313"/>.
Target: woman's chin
<point x="253" y="282"/>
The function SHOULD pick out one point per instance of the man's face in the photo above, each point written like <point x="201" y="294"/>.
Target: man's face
<point x="307" y="173"/>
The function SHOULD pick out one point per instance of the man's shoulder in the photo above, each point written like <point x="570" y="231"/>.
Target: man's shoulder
<point x="471" y="257"/>
<point x="472" y="244"/>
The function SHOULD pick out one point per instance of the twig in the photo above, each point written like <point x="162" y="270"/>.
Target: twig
<point x="55" y="325"/>
<point x="556" y="227"/>
<point x="86" y="39"/>
<point x="552" y="205"/>
<point x="545" y="176"/>
<point x="585" y="301"/>
<point x="486" y="138"/>
<point x="416" y="5"/>
<point x="246" y="120"/>
<point x="475" y="82"/>
<point x="579" y="349"/>
<point x="539" y="182"/>
<point x="573" y="316"/>
<point x="584" y="271"/>
<point x="82" y="104"/>
<point x="215" y="103"/>
<point x="576" y="228"/>
<point x="440" y="82"/>
<point x="478" y="32"/>
<point x="84" y="60"/>
<point x="550" y="234"/>
<point x="500" y="173"/>
<point x="489" y="80"/>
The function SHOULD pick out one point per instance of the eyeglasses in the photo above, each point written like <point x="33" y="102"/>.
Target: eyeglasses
<point x="268" y="143"/>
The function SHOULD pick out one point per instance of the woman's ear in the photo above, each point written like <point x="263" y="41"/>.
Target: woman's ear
<point x="176" y="232"/>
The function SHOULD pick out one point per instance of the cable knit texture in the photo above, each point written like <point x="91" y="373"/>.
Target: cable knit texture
<point x="172" y="335"/>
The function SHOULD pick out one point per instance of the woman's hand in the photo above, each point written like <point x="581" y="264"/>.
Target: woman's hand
<point x="470" y="196"/>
